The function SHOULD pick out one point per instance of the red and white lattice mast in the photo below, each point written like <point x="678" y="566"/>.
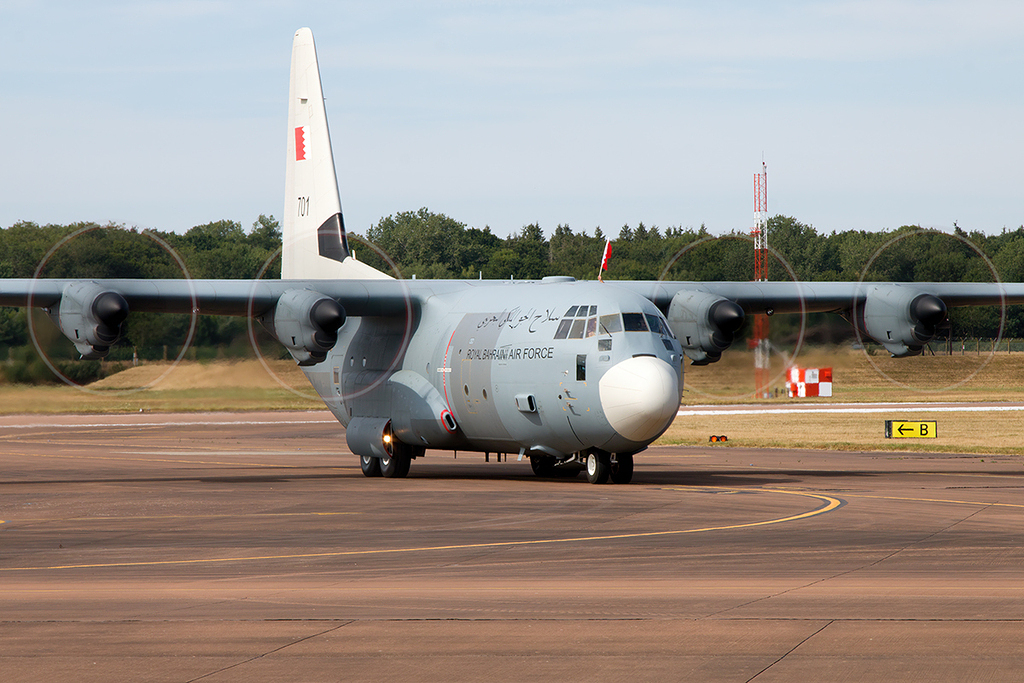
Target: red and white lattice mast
<point x="760" y="344"/>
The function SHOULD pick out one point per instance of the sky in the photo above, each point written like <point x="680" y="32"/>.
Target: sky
<point x="869" y="114"/>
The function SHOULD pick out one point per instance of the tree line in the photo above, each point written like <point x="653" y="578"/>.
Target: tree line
<point x="220" y="249"/>
<point x="428" y="245"/>
<point x="425" y="244"/>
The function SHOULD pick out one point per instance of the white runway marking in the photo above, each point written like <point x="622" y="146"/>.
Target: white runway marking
<point x="850" y="408"/>
<point x="176" y="420"/>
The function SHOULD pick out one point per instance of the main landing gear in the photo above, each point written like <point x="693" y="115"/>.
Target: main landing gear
<point x="370" y="465"/>
<point x="394" y="465"/>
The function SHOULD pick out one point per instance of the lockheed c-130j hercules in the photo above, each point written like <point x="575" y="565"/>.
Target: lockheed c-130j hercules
<point x="573" y="375"/>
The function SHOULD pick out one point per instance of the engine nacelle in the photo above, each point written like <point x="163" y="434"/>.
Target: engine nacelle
<point x="91" y="317"/>
<point x="307" y="323"/>
<point x="704" y="323"/>
<point x="902" y="319"/>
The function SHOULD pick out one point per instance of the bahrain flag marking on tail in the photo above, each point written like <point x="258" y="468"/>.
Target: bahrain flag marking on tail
<point x="300" y="143"/>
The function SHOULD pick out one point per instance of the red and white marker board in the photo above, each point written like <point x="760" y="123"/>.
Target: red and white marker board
<point x="805" y="382"/>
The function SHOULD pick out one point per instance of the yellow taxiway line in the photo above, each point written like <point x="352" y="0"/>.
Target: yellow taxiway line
<point x="829" y="504"/>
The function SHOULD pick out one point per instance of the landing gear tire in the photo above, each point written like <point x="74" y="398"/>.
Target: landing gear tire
<point x="598" y="467"/>
<point x="370" y="465"/>
<point x="543" y="465"/>
<point x="395" y="466"/>
<point x="622" y="469"/>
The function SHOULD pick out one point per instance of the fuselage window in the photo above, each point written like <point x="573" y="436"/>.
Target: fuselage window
<point x="634" y="322"/>
<point x="611" y="324"/>
<point x="581" y="367"/>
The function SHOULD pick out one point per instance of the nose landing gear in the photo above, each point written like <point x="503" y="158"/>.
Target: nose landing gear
<point x="602" y="466"/>
<point x="599" y="466"/>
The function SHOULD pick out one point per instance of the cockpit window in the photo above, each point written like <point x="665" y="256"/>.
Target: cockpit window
<point x="579" y="321"/>
<point x="634" y="322"/>
<point x="658" y="325"/>
<point x="667" y="331"/>
<point x="610" y="324"/>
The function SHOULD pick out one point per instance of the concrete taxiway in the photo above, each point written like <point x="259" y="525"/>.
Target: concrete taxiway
<point x="250" y="547"/>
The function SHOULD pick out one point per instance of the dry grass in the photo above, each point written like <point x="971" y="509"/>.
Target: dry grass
<point x="860" y="378"/>
<point x="958" y="432"/>
<point x="187" y="387"/>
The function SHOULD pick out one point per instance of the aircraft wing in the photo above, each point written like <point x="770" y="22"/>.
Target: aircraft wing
<point x="390" y="297"/>
<point x="394" y="297"/>
<point x="817" y="297"/>
<point x="305" y="315"/>
<point x="215" y="297"/>
<point x="901" y="316"/>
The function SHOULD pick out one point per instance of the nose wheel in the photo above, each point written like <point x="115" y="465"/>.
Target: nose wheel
<point x="604" y="466"/>
<point x="599" y="466"/>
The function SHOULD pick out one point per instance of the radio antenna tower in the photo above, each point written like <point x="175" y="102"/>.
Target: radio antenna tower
<point x="760" y="343"/>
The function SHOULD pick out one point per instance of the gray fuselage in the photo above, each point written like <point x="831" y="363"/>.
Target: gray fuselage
<point x="551" y="368"/>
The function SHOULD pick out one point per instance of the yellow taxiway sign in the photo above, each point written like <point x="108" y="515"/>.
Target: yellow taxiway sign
<point x="906" y="429"/>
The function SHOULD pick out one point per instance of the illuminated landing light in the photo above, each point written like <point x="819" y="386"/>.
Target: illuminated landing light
<point x="640" y="397"/>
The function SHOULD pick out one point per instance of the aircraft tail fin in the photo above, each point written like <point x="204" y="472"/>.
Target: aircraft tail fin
<point x="315" y="245"/>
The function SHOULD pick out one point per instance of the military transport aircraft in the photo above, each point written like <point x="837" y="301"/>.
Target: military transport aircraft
<point x="573" y="375"/>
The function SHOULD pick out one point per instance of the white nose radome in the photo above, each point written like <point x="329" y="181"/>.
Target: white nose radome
<point x="640" y="396"/>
